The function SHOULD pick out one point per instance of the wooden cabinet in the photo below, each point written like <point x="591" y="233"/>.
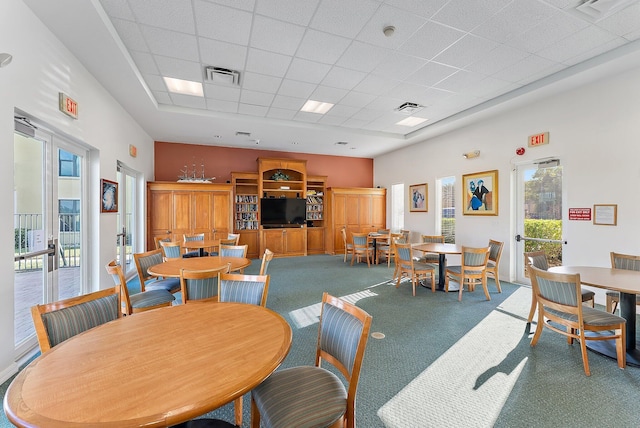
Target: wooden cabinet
<point x="316" y="190"/>
<point x="315" y="240"/>
<point x="246" y="210"/>
<point x="357" y="209"/>
<point x="284" y="241"/>
<point x="175" y="209"/>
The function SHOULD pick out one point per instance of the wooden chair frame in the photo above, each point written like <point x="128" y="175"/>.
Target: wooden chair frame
<point x="470" y="274"/>
<point x="360" y="249"/>
<point x="348" y="246"/>
<point x="266" y="259"/>
<point x="413" y="270"/>
<point x="493" y="265"/>
<point x="166" y="244"/>
<point x="186" y="274"/>
<point x="621" y="261"/>
<point x="575" y="329"/>
<point x="431" y="239"/>
<point x="143" y="275"/>
<point x="352" y="376"/>
<point x="38" y="310"/>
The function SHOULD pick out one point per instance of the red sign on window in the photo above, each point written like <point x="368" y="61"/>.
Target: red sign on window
<point x="580" y="214"/>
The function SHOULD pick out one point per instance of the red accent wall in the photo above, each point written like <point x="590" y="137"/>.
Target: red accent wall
<point x="219" y="162"/>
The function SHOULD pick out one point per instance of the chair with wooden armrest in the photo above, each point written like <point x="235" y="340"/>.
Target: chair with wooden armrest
<point x="413" y="269"/>
<point x="58" y="321"/>
<point x="361" y="248"/>
<point x="493" y="265"/>
<point x="348" y="246"/>
<point x="201" y="285"/>
<point x="312" y="395"/>
<point x="139" y="302"/>
<point x="171" y="249"/>
<point x="143" y="262"/>
<point x="473" y="267"/>
<point x="189" y="251"/>
<point x="266" y="259"/>
<point x="621" y="261"/>
<point x="431" y="239"/>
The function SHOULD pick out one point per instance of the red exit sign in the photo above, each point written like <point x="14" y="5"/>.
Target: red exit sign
<point x="538" y="139"/>
<point x="68" y="106"/>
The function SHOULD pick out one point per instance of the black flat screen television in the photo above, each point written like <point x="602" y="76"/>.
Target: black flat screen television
<point x="282" y="211"/>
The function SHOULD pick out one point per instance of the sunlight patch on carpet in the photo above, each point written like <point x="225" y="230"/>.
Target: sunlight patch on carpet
<point x="468" y="385"/>
<point x="309" y="315"/>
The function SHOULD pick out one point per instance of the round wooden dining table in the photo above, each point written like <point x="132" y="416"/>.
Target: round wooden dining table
<point x="200" y="245"/>
<point x="442" y="250"/>
<point x="153" y="369"/>
<point x="627" y="283"/>
<point x="171" y="268"/>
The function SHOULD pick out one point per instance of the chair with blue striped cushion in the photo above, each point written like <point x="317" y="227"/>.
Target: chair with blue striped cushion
<point x="538" y="259"/>
<point x="361" y="248"/>
<point x="413" y="269"/>
<point x="140" y="302"/>
<point x="148" y="282"/>
<point x="58" y="321"/>
<point x="311" y="396"/>
<point x="621" y="261"/>
<point x="559" y="301"/>
<point x="266" y="259"/>
<point x="251" y="289"/>
<point x="473" y="267"/>
<point x="197" y="252"/>
<point x="171" y="249"/>
<point x="201" y="285"/>
<point x="234" y="251"/>
<point x="493" y="264"/>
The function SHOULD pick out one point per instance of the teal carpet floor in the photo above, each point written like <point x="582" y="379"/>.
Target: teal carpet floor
<point x="444" y="363"/>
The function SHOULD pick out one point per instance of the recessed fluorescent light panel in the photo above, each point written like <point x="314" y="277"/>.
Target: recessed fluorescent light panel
<point x="316" y="107"/>
<point x="411" y="121"/>
<point x="186" y="87"/>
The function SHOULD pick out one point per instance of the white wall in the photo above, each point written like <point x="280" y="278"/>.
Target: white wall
<point x="41" y="68"/>
<point x="594" y="130"/>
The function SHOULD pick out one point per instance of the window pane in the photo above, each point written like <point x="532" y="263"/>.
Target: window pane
<point x="397" y="207"/>
<point x="448" y="209"/>
<point x="69" y="164"/>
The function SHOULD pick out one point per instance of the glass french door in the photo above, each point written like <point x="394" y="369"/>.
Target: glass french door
<point x="539" y="213"/>
<point x="128" y="202"/>
<point x="49" y="223"/>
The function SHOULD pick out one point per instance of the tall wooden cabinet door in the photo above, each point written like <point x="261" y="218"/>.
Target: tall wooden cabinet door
<point x="181" y="214"/>
<point x="378" y="211"/>
<point x="315" y="240"/>
<point x="202" y="203"/>
<point x="221" y="215"/>
<point x="295" y="241"/>
<point x="160" y="215"/>
<point x="364" y="213"/>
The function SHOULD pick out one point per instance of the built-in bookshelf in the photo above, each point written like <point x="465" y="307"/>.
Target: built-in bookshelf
<point x="315" y="199"/>
<point x="246" y="202"/>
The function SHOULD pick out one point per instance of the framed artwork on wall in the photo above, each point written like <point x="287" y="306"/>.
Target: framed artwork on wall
<point x="109" y="196"/>
<point x="480" y="193"/>
<point x="418" y="198"/>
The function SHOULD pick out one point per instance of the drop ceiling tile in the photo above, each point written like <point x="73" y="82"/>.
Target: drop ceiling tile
<point x="118" y="9"/>
<point x="600" y="49"/>
<point x="155" y="82"/>
<point x="322" y="47"/>
<point x="460" y="81"/>
<point x="466" y="51"/>
<point x="342" y="78"/>
<point x="344" y="18"/>
<point x="466" y="15"/>
<point x="357" y="99"/>
<point x="179" y="69"/>
<point x="288" y="103"/>
<point x="222" y="54"/>
<point x="171" y="43"/>
<point x="362" y="57"/>
<point x="331" y="120"/>
<point x="174" y="15"/>
<point x="162" y="97"/>
<point x="343" y="111"/>
<point x="269" y="63"/>
<point x="130" y="34"/>
<point x="231" y="25"/>
<point x="424" y="8"/>
<point x="399" y="66"/>
<point x="256" y="98"/>
<point x="406" y="24"/>
<point x="222" y="93"/>
<point x="374" y="85"/>
<point x="548" y="32"/>
<point x="145" y="62"/>
<point x="252" y="110"/>
<point x="188" y="101"/>
<point x="431" y="40"/>
<point x="431" y="73"/>
<point x="520" y="71"/>
<point x="247" y="5"/>
<point x="387" y="104"/>
<point x="355" y="124"/>
<point x="294" y="88"/>
<point x="516" y="18"/>
<point x="307" y="71"/>
<point x="222" y="106"/>
<point x="260" y="82"/>
<point x="367" y="114"/>
<point x="581" y="42"/>
<point x="280" y="113"/>
<point x="328" y="95"/>
<point x="303" y="116"/>
<point x="495" y="60"/>
<point x="301" y="14"/>
<point x="624" y="22"/>
<point x="490" y="87"/>
<point x="276" y="36"/>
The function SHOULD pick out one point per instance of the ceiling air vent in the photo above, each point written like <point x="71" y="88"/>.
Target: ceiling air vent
<point x="222" y="76"/>
<point x="409" y="108"/>
<point x="595" y="10"/>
